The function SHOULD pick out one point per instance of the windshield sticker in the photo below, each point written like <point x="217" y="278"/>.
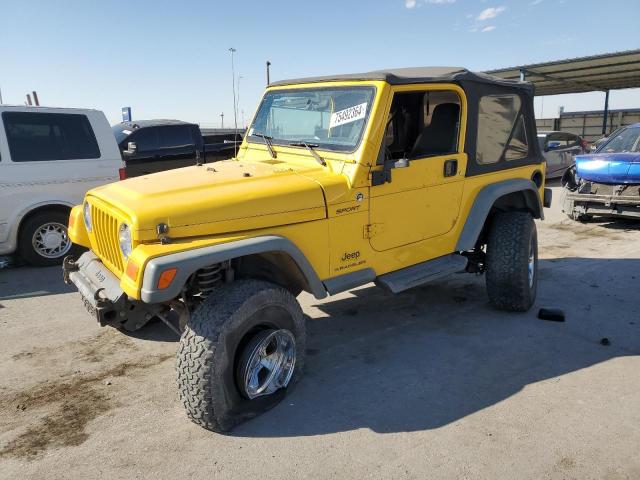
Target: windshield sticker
<point x="126" y="132"/>
<point x="348" y="115"/>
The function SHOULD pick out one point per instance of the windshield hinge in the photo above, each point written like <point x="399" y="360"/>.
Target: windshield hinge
<point x="373" y="229"/>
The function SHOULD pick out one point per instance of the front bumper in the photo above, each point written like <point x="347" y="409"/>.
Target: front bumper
<point x="100" y="289"/>
<point x="605" y="204"/>
<point x="101" y="293"/>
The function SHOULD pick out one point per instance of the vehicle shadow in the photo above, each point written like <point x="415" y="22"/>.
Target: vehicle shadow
<point x="433" y="355"/>
<point x="617" y="223"/>
<point x="27" y="282"/>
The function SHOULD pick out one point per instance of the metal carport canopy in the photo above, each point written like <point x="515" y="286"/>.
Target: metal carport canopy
<point x="610" y="71"/>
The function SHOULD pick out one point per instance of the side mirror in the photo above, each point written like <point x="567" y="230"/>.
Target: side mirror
<point x="401" y="163"/>
<point x="132" y="148"/>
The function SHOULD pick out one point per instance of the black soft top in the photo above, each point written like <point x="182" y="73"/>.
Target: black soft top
<point x="407" y="76"/>
<point x="476" y="86"/>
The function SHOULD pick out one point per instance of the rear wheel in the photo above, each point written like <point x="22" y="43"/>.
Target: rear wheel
<point x="240" y="352"/>
<point x="44" y="239"/>
<point x="512" y="261"/>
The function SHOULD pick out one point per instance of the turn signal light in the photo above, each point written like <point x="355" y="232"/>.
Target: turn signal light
<point x="132" y="270"/>
<point x="72" y="219"/>
<point x="166" y="278"/>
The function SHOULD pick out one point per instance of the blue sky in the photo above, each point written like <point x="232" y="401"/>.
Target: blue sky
<point x="170" y="59"/>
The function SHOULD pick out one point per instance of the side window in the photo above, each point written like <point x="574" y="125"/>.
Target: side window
<point x="175" y="136"/>
<point x="518" y="146"/>
<point x="558" y="140"/>
<point x="573" y="140"/>
<point x="423" y="124"/>
<point x="146" y="139"/>
<point x="35" y="137"/>
<point x="497" y="115"/>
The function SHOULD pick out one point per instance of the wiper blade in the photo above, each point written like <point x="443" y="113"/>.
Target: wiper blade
<point x="310" y="147"/>
<point x="267" y="140"/>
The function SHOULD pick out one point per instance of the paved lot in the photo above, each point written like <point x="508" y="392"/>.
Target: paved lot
<point x="432" y="383"/>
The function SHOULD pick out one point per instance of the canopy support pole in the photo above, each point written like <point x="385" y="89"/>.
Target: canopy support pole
<point x="606" y="112"/>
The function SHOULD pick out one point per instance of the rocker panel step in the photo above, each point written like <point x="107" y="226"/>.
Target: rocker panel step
<point x="421" y="273"/>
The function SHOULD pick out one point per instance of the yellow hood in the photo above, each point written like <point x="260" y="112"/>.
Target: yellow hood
<point x="221" y="197"/>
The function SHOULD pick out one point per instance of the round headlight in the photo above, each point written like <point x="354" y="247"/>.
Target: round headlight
<point x="124" y="237"/>
<point x="86" y="210"/>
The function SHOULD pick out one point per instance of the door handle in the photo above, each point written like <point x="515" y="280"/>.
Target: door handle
<point x="450" y="168"/>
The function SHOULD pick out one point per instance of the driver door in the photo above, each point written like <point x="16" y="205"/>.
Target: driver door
<point x="423" y="167"/>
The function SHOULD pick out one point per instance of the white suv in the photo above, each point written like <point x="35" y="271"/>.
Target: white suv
<point x="49" y="158"/>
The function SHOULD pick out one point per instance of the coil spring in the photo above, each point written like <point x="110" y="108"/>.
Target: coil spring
<point x="208" y="277"/>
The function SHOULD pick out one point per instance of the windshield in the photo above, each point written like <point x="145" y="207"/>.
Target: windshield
<point x="329" y="118"/>
<point x="120" y="132"/>
<point x="626" y="140"/>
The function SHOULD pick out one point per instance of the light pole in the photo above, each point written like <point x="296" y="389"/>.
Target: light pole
<point x="235" y="108"/>
<point x="240" y="77"/>
<point x="222" y="120"/>
<point x="268" y="65"/>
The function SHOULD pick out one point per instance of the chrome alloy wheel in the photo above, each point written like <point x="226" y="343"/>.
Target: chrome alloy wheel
<point x="532" y="262"/>
<point x="267" y="363"/>
<point x="51" y="240"/>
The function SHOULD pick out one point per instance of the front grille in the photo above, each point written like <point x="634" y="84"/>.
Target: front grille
<point x="105" y="235"/>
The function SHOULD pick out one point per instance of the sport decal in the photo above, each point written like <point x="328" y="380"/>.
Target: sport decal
<point x="348" y="115"/>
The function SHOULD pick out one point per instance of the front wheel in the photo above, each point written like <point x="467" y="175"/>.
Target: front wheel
<point x="241" y="350"/>
<point x="512" y="261"/>
<point x="44" y="239"/>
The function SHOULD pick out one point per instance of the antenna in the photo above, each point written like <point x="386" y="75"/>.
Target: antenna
<point x="235" y="108"/>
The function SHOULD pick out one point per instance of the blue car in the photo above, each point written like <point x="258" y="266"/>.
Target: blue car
<point x="606" y="182"/>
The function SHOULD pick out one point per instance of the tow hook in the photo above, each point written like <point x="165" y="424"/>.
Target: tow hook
<point x="68" y="265"/>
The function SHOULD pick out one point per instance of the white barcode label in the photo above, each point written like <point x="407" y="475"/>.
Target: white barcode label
<point x="348" y="115"/>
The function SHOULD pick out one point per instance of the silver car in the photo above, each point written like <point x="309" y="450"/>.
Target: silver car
<point x="558" y="149"/>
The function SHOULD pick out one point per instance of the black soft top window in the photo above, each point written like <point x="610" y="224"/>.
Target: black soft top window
<point x="35" y="137"/>
<point x="501" y="130"/>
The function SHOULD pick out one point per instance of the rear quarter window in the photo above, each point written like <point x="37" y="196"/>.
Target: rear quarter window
<point x="36" y="137"/>
<point x="496" y="119"/>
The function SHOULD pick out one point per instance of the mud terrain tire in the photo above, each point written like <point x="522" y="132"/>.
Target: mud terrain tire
<point x="512" y="249"/>
<point x="214" y="342"/>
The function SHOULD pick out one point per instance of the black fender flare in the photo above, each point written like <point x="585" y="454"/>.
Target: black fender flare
<point x="189" y="261"/>
<point x="485" y="200"/>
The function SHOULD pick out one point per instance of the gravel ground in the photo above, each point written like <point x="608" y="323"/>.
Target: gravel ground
<point x="431" y="383"/>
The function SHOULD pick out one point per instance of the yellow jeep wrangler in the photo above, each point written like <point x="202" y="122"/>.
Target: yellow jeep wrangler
<point x="396" y="177"/>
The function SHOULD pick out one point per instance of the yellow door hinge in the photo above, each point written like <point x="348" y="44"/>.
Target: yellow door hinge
<point x="373" y="229"/>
